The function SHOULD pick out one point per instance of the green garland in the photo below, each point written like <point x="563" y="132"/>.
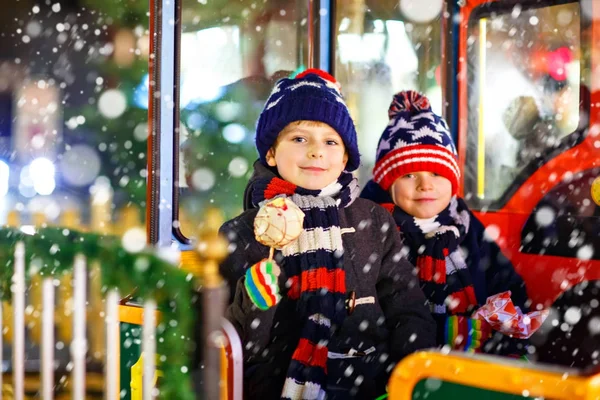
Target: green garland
<point x="51" y="251"/>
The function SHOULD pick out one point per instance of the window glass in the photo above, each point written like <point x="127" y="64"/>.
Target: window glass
<point x="523" y="95"/>
<point x="566" y="222"/>
<point x="73" y="113"/>
<point x="231" y="55"/>
<point x="382" y="49"/>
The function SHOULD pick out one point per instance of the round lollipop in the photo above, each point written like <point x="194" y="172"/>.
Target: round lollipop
<point x="278" y="223"/>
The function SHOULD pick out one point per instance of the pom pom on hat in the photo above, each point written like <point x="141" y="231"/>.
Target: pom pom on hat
<point x="320" y="72"/>
<point x="313" y="95"/>
<point x="416" y="139"/>
<point x="408" y="101"/>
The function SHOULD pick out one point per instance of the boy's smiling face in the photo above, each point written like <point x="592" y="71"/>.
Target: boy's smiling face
<point x="422" y="194"/>
<point x="308" y="154"/>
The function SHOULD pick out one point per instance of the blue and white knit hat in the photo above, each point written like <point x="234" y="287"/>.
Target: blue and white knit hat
<point x="313" y="95"/>
<point x="416" y="139"/>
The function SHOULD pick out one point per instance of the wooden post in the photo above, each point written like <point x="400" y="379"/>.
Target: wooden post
<point x="212" y="249"/>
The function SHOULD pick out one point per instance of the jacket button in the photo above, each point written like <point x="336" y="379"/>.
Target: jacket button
<point x="351" y="302"/>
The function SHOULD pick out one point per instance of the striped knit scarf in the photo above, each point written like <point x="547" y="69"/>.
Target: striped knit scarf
<point x="433" y="243"/>
<point x="314" y="268"/>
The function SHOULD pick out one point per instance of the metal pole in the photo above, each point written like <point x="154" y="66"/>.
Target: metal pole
<point x="149" y="349"/>
<point x="111" y="371"/>
<point x="48" y="338"/>
<point x="79" y="343"/>
<point x="18" y="298"/>
<point x="164" y="26"/>
<point x="326" y="35"/>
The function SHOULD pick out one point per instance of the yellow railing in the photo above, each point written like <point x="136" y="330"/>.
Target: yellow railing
<point x="489" y="374"/>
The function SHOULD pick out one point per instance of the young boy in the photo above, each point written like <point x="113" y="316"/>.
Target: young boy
<point x="345" y="306"/>
<point x="416" y="178"/>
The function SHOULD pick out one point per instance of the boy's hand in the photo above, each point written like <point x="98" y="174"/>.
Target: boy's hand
<point x="261" y="284"/>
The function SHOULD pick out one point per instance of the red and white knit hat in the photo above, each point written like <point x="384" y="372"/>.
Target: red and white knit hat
<point x="416" y="139"/>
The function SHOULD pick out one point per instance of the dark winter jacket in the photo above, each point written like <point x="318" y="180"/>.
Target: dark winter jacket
<point x="396" y="323"/>
<point x="491" y="273"/>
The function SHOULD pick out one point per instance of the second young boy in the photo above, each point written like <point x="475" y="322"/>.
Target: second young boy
<point x="416" y="177"/>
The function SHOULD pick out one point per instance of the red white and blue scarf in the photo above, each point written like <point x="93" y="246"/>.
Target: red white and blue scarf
<point x="434" y="250"/>
<point x="316" y="276"/>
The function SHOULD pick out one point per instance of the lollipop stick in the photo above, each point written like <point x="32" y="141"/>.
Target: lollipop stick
<point x="271" y="252"/>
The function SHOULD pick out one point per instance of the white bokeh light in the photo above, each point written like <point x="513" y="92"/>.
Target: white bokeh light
<point x="234" y="133"/>
<point x="112" y="103"/>
<point x="101" y="190"/>
<point x="203" y="179"/>
<point x="26" y="191"/>
<point x="80" y="165"/>
<point x="41" y="173"/>
<point x="585" y="252"/>
<point x="545" y="216"/>
<point x="420" y="10"/>
<point x="491" y="233"/>
<point x="45" y="187"/>
<point x="238" y="167"/>
<point x="140" y="133"/>
<point x="33" y="28"/>
<point x="227" y="111"/>
<point x="47" y="205"/>
<point x="134" y="240"/>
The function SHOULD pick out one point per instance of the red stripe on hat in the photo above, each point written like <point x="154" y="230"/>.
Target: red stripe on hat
<point x="308" y="353"/>
<point x="317" y="279"/>
<point x="412" y="148"/>
<point x="415" y="151"/>
<point x="405" y="160"/>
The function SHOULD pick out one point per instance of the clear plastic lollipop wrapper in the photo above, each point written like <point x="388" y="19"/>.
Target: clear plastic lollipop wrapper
<point x="278" y="223"/>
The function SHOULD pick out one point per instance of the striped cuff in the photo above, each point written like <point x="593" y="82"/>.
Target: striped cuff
<point x="466" y="334"/>
<point x="261" y="285"/>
